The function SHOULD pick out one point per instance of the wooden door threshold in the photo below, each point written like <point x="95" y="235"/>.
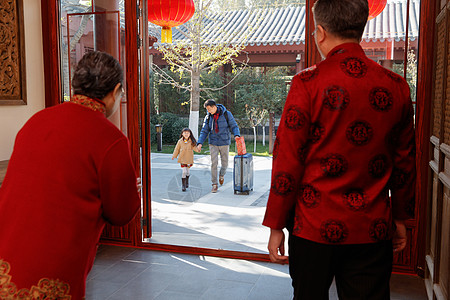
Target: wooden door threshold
<point x="197" y="251"/>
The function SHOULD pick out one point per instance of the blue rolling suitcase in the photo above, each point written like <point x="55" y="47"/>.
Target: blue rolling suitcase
<point x="243" y="174"/>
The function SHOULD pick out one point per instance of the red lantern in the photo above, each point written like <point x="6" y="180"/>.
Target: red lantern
<point x="376" y="7"/>
<point x="168" y="14"/>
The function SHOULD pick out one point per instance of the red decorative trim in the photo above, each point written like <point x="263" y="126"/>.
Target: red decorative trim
<point x="46" y="288"/>
<point x="91" y="103"/>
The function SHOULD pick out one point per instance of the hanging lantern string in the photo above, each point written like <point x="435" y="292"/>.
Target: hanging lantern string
<point x="166" y="34"/>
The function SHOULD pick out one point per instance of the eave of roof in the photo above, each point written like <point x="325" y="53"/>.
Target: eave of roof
<point x="286" y="25"/>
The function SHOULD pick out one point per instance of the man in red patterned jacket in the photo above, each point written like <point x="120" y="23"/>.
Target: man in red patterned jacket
<point x="344" y="165"/>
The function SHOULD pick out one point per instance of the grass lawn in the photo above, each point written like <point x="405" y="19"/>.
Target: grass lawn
<point x="260" y="149"/>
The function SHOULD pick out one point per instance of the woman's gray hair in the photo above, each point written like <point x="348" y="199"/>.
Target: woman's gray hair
<point x="96" y="75"/>
<point x="342" y="18"/>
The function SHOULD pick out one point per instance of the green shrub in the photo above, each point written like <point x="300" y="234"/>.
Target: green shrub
<point x="171" y="127"/>
<point x="152" y="133"/>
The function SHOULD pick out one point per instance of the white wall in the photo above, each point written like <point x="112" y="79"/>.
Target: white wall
<point x="13" y="117"/>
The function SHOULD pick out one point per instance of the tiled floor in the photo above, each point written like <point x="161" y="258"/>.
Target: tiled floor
<point x="127" y="273"/>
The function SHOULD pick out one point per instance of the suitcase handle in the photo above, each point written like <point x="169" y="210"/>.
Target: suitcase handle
<point x="242" y="174"/>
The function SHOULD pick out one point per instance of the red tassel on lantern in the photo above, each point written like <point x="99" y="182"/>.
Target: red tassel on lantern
<point x="168" y="14"/>
<point x="376" y="7"/>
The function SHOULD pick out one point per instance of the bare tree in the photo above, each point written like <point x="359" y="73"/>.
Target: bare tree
<point x="262" y="93"/>
<point x="210" y="40"/>
<point x="242" y="4"/>
<point x="256" y="116"/>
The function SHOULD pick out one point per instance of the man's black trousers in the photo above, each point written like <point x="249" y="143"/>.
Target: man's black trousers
<point x="361" y="271"/>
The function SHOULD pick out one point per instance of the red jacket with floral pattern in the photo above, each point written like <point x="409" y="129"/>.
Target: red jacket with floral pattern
<point x="344" y="157"/>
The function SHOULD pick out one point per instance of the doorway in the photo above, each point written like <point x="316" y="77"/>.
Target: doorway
<point x="162" y="207"/>
<point x="195" y="220"/>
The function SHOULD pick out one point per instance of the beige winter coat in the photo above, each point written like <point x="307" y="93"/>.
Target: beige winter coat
<point x="185" y="152"/>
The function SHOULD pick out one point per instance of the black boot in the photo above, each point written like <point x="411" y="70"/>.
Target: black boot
<point x="187" y="181"/>
<point x="183" y="184"/>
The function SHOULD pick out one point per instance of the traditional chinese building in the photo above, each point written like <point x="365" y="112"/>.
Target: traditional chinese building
<point x="40" y="41"/>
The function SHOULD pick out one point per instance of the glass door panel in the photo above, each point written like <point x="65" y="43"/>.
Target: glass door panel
<point x="98" y="31"/>
<point x="197" y="219"/>
<point x="100" y="26"/>
<point x="144" y="86"/>
<point x="224" y="220"/>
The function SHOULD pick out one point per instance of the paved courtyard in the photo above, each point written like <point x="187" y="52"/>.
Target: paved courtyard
<point x="199" y="218"/>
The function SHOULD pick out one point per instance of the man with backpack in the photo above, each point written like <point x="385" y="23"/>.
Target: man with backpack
<point x="217" y="124"/>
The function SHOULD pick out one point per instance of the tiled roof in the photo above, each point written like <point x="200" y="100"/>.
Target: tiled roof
<point x="390" y="24"/>
<point x="286" y="25"/>
<point x="281" y="26"/>
<point x="276" y="26"/>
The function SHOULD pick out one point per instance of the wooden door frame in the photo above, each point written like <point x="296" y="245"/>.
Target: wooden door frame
<point x="51" y="46"/>
<point x="50" y="42"/>
<point x="146" y="224"/>
<point x="146" y="161"/>
<point x="51" y="50"/>
<point x="50" y="13"/>
<point x="132" y="75"/>
<point x="311" y="52"/>
<point x="312" y="57"/>
<point x="439" y="153"/>
<point x="423" y="124"/>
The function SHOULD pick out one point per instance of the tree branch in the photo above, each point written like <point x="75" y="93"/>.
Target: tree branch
<point x="177" y="59"/>
<point x="244" y="65"/>
<point x="182" y="32"/>
<point x="167" y="79"/>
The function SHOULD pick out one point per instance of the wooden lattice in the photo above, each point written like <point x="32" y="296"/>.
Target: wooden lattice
<point x="447" y="96"/>
<point x="12" y="58"/>
<point x="439" y="79"/>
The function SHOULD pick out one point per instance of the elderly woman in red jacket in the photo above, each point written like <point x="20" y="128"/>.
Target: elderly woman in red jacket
<point x="69" y="174"/>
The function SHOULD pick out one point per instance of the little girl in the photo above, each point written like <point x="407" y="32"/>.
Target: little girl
<point x="185" y="147"/>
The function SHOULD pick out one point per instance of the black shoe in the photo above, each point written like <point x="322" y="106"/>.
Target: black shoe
<point x="183" y="184"/>
<point x="187" y="181"/>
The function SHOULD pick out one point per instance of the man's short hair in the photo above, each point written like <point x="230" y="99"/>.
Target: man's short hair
<point x="209" y="102"/>
<point x="342" y="18"/>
